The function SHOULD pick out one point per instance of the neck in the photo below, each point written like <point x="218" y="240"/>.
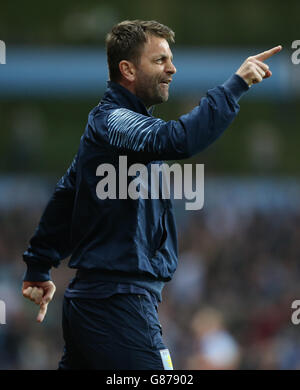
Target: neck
<point x="128" y="85"/>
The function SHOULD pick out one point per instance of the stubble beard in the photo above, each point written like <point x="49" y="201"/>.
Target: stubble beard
<point x="151" y="91"/>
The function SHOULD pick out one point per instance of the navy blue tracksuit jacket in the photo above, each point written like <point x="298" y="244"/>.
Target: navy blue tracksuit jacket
<point x="124" y="240"/>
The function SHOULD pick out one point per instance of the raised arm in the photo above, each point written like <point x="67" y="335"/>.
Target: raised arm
<point x="193" y="132"/>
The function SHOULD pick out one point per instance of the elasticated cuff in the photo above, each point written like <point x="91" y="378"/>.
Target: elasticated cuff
<point x="237" y="86"/>
<point x="37" y="273"/>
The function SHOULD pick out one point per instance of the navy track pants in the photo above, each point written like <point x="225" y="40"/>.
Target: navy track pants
<point x="121" y="332"/>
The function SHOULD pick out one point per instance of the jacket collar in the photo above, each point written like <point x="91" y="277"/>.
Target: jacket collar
<point x="117" y="95"/>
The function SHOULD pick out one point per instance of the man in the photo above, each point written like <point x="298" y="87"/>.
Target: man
<point x="124" y="249"/>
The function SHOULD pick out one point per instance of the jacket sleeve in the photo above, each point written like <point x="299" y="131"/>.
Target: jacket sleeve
<point x="51" y="241"/>
<point x="180" y="139"/>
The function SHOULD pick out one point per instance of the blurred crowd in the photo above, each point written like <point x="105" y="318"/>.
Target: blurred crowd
<point x="228" y="306"/>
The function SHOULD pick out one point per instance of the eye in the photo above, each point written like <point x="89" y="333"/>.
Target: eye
<point x="159" y="60"/>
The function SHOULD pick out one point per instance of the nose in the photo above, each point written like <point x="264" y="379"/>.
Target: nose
<point x="171" y="68"/>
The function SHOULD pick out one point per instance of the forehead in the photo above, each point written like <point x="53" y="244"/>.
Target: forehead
<point x="156" y="46"/>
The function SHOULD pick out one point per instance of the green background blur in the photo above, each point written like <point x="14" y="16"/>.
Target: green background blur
<point x="55" y="126"/>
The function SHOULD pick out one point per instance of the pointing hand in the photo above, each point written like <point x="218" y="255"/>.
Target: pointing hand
<point x="254" y="70"/>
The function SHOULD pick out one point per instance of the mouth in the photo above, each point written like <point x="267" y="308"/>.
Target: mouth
<point x="166" y="82"/>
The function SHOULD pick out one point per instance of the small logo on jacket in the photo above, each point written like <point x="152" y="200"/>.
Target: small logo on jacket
<point x="2" y="53"/>
<point x="152" y="182"/>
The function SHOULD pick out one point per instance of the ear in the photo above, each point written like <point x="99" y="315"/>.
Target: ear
<point x="127" y="70"/>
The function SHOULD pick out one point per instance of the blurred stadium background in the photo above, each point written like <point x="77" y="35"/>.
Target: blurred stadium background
<point x="229" y="305"/>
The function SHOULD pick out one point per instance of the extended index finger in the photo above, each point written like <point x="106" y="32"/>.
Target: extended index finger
<point x="42" y="312"/>
<point x="268" y="53"/>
